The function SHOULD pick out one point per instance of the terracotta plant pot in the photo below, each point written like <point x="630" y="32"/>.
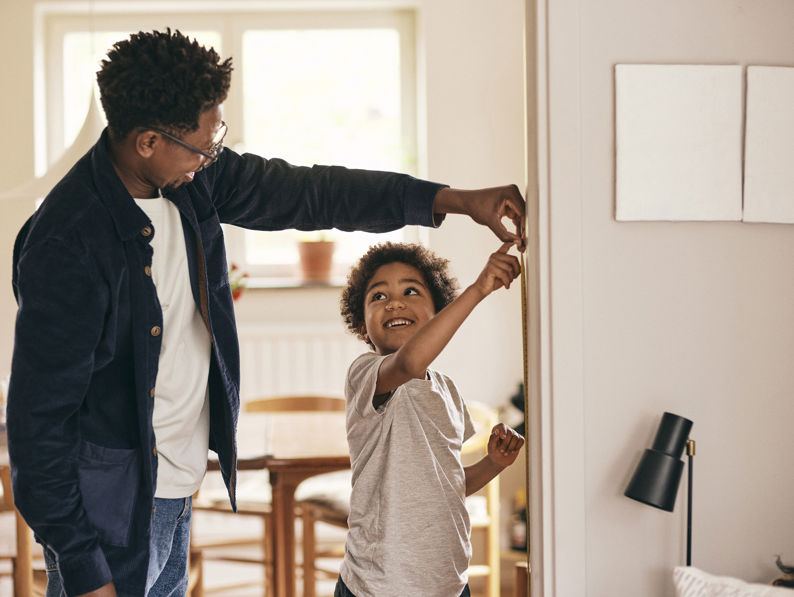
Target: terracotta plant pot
<point x="316" y="258"/>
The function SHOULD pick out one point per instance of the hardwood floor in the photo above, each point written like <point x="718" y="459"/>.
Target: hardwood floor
<point x="219" y="573"/>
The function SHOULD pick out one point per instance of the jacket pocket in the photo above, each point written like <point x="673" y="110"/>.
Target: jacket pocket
<point x="109" y="483"/>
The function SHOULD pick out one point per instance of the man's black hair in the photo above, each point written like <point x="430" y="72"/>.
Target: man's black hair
<point x="160" y="79"/>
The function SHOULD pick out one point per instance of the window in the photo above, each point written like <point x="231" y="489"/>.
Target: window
<point x="309" y="87"/>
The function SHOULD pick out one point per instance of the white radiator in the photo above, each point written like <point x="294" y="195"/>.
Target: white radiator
<point x="295" y="358"/>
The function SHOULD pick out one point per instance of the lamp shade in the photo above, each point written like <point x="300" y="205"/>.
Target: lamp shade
<point x="39" y="187"/>
<point x="655" y="482"/>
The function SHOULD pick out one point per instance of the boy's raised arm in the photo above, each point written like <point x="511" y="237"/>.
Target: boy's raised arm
<point x="413" y="358"/>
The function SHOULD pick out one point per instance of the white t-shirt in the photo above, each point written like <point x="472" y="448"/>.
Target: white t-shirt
<point x="181" y="406"/>
<point x="409" y="528"/>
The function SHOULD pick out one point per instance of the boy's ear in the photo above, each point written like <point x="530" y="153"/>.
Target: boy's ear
<point x="362" y="334"/>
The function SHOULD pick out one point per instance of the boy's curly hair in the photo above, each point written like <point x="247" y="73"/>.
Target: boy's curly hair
<point x="443" y="288"/>
<point x="160" y="79"/>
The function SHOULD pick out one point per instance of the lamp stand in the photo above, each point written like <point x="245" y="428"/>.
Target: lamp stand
<point x="690" y="451"/>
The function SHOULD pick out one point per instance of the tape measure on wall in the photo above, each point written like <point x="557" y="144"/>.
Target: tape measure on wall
<point x="524" y="337"/>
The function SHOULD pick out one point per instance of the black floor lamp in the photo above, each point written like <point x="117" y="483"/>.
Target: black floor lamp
<point x="655" y="482"/>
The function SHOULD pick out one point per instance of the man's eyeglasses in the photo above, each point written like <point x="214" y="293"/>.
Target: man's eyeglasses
<point x="211" y="155"/>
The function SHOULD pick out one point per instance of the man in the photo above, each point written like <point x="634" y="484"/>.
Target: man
<point x="126" y="366"/>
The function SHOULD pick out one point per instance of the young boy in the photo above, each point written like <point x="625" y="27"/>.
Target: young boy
<point x="409" y="528"/>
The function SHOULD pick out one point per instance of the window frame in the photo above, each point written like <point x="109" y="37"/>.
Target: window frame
<point x="54" y="22"/>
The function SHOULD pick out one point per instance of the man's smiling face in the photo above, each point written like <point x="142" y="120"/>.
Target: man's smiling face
<point x="175" y="164"/>
<point x="397" y="304"/>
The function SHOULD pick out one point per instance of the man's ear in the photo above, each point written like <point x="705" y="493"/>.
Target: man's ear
<point x="145" y="143"/>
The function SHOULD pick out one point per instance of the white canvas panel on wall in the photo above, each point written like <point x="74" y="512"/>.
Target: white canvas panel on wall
<point x="769" y="145"/>
<point x="678" y="142"/>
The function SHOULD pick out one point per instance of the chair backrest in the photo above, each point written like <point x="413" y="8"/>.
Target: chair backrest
<point x="270" y="423"/>
<point x="484" y="418"/>
<point x="7" y="502"/>
<point x="284" y="404"/>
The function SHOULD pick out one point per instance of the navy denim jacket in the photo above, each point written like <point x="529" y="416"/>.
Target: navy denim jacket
<point x="81" y="442"/>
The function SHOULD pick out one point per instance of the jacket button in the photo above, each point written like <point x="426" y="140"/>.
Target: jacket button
<point x="151" y="393"/>
<point x="155" y="331"/>
<point x="154" y="451"/>
<point x="148" y="271"/>
<point x="147" y="231"/>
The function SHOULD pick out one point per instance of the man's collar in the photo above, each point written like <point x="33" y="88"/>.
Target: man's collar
<point x="127" y="217"/>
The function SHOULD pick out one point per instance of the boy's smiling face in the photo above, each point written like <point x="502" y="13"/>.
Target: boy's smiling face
<point x="397" y="304"/>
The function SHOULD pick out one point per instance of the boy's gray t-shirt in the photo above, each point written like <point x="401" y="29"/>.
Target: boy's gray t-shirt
<point x="409" y="528"/>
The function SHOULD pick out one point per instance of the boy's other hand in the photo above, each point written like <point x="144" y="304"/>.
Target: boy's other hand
<point x="504" y="445"/>
<point x="500" y="270"/>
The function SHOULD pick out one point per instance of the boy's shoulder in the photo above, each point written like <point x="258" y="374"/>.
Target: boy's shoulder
<point x="362" y="371"/>
<point x="363" y="362"/>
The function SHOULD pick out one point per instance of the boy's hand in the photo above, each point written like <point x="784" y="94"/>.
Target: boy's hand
<point x="504" y="445"/>
<point x="500" y="270"/>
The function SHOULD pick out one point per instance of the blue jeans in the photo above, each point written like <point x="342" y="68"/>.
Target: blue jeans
<point x="341" y="590"/>
<point x="54" y="585"/>
<point x="168" y="556"/>
<point x="169" y="547"/>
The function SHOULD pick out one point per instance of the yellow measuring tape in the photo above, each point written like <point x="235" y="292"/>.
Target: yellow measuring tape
<point x="525" y="346"/>
<point x="524" y="337"/>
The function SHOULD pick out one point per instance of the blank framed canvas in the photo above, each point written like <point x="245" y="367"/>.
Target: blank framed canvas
<point x="678" y="142"/>
<point x="769" y="145"/>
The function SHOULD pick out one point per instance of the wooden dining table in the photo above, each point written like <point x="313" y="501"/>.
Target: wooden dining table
<point x="285" y="476"/>
<point x="299" y="447"/>
<point x="286" y="473"/>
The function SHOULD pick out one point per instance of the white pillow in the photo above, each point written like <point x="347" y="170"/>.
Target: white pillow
<point x="691" y="582"/>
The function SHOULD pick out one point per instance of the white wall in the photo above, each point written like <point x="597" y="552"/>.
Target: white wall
<point x="16" y="155"/>
<point x="694" y="318"/>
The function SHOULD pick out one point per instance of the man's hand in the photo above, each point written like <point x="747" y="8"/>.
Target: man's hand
<point x="108" y="590"/>
<point x="487" y="207"/>
<point x="504" y="445"/>
<point x="500" y="270"/>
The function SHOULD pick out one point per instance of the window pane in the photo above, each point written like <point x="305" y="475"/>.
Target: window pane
<point x="271" y="247"/>
<point x="315" y="96"/>
<point x="324" y="96"/>
<point x="80" y="63"/>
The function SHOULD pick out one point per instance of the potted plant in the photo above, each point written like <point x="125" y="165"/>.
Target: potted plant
<point x="238" y="280"/>
<point x="316" y="253"/>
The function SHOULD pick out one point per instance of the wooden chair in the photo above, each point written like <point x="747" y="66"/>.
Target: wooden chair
<point x="27" y="581"/>
<point x="257" y="503"/>
<point x="521" y="580"/>
<point x="486" y="523"/>
<point x="333" y="508"/>
<point x="30" y="580"/>
<point x="195" y="582"/>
